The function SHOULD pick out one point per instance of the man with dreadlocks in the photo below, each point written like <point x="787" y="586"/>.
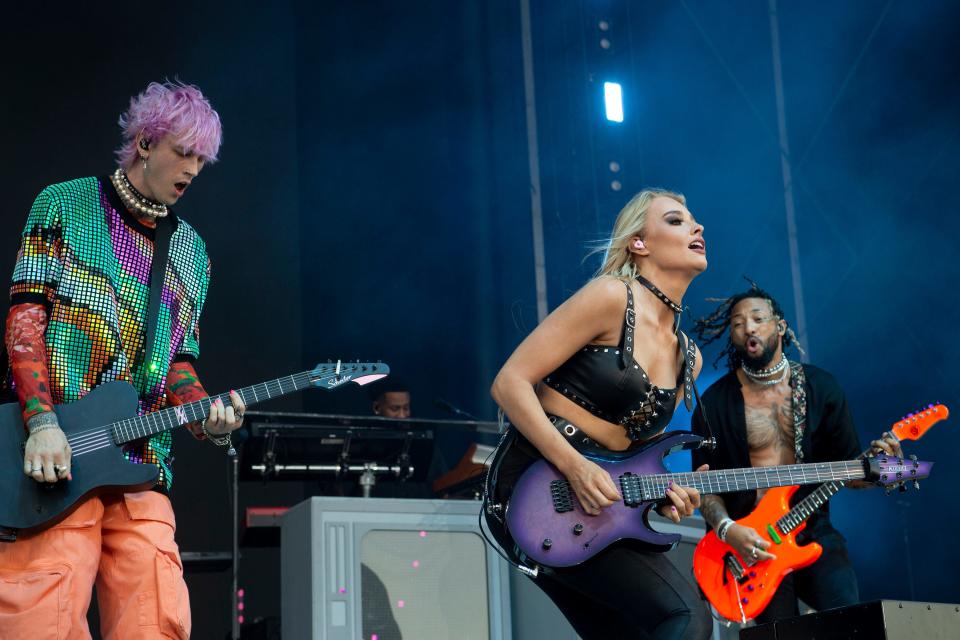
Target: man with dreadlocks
<point x="768" y="410"/>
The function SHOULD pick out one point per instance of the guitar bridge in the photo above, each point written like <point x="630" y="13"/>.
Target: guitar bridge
<point x="735" y="567"/>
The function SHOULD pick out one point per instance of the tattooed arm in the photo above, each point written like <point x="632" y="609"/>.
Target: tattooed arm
<point x="713" y="509"/>
<point x="46" y="453"/>
<point x="183" y="387"/>
<point x="26" y="324"/>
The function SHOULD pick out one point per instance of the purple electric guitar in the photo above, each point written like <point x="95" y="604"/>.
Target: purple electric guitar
<point x="549" y="525"/>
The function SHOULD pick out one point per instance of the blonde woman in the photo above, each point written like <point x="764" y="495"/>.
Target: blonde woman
<point x="603" y="373"/>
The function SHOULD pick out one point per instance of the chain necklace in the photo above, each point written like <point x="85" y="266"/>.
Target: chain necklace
<point x="762" y="377"/>
<point x="135" y="200"/>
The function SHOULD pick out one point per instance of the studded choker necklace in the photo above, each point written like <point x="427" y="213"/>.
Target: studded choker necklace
<point x="660" y="294"/>
<point x="133" y="199"/>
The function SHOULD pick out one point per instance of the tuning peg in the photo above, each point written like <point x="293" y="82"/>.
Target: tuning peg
<point x="887" y="490"/>
<point x="916" y="485"/>
<point x="902" y="487"/>
<point x="913" y="457"/>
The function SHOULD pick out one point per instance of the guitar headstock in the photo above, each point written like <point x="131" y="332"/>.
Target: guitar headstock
<point x="331" y="375"/>
<point x="889" y="471"/>
<point x="913" y="426"/>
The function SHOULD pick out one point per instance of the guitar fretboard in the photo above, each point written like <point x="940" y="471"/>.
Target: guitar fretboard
<point x="172" y="417"/>
<point x="805" y="508"/>
<point x="653" y="487"/>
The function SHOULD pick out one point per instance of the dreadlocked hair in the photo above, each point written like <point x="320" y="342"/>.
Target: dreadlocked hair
<point x="711" y="328"/>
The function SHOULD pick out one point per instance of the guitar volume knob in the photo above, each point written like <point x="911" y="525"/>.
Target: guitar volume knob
<point x="547" y="543"/>
<point x="577" y="529"/>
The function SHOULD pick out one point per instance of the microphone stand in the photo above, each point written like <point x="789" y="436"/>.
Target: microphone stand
<point x="446" y="406"/>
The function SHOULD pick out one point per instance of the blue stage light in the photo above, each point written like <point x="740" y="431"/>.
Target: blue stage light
<point x="613" y="99"/>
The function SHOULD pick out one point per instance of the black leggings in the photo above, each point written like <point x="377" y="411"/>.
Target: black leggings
<point x="624" y="591"/>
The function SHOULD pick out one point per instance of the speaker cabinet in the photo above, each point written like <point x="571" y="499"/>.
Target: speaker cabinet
<point x="876" y="620"/>
<point x="386" y="568"/>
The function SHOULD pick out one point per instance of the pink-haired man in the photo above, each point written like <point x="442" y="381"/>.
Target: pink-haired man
<point x="78" y="314"/>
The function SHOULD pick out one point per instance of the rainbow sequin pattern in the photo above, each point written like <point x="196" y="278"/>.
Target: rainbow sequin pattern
<point x="92" y="269"/>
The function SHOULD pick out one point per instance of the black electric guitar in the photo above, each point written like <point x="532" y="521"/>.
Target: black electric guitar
<point x="97" y="427"/>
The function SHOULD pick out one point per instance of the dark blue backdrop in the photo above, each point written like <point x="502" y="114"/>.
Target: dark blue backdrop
<point x="373" y="200"/>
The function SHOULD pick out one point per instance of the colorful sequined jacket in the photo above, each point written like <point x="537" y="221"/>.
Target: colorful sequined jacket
<point x="87" y="260"/>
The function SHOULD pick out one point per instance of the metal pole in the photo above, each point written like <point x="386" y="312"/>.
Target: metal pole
<point x="234" y="620"/>
<point x="533" y="157"/>
<point x="801" y="315"/>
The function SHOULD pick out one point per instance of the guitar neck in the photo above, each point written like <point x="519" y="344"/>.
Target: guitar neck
<point x="654" y="487"/>
<point x="153" y="423"/>
<point x="805" y="508"/>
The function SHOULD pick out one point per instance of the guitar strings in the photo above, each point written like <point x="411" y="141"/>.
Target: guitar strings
<point x="129" y="424"/>
<point x="94" y="439"/>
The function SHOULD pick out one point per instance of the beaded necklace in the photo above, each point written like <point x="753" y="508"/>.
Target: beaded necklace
<point x="133" y="199"/>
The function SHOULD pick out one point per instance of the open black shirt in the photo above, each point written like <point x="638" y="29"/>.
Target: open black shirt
<point x="829" y="434"/>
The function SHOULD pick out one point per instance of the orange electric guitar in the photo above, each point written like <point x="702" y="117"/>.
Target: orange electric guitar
<point x="740" y="592"/>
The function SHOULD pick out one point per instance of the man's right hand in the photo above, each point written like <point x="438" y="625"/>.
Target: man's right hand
<point x="748" y="543"/>
<point x="45" y="450"/>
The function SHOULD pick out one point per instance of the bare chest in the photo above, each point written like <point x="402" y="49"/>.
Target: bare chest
<point x="769" y="422"/>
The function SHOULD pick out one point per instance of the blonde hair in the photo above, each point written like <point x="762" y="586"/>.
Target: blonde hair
<point x="617" y="259"/>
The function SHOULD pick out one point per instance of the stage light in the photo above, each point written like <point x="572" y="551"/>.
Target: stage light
<point x="613" y="99"/>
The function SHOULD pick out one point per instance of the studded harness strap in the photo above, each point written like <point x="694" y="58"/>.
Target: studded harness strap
<point x="687" y="345"/>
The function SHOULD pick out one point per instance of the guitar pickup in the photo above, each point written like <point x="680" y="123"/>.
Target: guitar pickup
<point x="630" y="490"/>
<point x="735" y="567"/>
<point x="562" y="495"/>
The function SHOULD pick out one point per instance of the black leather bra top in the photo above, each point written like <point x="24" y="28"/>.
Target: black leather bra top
<point x="608" y="382"/>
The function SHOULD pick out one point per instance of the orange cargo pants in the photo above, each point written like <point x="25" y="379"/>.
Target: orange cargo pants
<point x="124" y="544"/>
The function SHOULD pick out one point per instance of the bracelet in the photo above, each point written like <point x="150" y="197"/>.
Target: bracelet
<point x="723" y="527"/>
<point x="42" y="422"/>
<point x="220" y="441"/>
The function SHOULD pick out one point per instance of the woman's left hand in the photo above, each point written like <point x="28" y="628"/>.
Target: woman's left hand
<point x="683" y="500"/>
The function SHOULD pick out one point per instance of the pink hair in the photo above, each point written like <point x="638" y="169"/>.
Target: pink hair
<point x="175" y="109"/>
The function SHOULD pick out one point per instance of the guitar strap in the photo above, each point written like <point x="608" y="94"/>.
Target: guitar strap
<point x="798" y="398"/>
<point x="690" y="385"/>
<point x="158" y="270"/>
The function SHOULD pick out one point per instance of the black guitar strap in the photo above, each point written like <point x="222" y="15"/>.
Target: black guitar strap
<point x="689" y="384"/>
<point x="158" y="270"/>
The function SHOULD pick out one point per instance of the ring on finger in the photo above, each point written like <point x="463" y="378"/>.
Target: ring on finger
<point x="754" y="551"/>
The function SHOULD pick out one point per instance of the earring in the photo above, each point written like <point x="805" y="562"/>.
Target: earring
<point x="638" y="244"/>
<point x="143" y="159"/>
